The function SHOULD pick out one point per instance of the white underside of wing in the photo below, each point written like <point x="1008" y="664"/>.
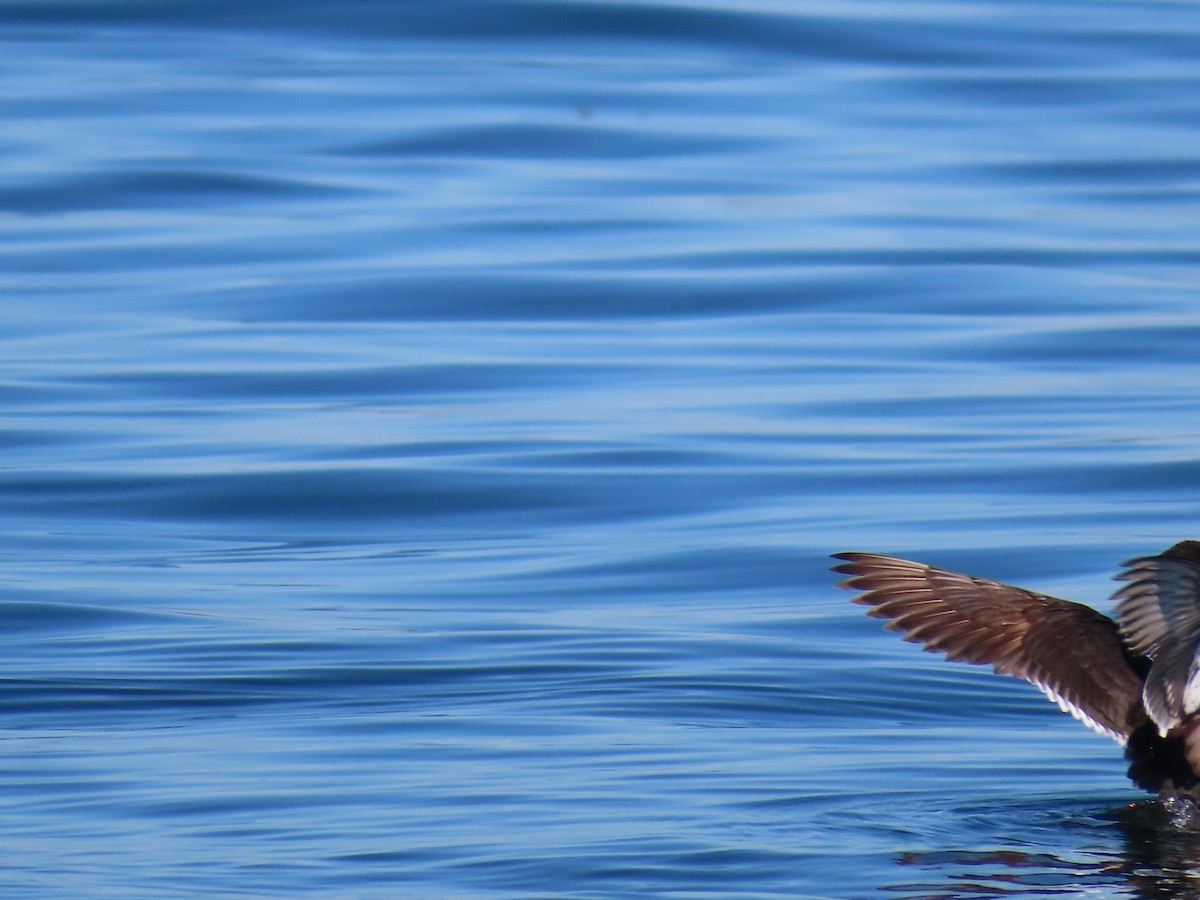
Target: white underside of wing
<point x="1191" y="691"/>
<point x="1068" y="707"/>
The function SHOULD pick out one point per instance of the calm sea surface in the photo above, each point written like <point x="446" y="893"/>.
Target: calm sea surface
<point x="425" y="426"/>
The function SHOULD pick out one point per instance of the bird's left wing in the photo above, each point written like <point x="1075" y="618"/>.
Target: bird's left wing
<point x="1073" y="653"/>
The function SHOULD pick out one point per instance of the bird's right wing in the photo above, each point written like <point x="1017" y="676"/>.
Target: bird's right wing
<point x="1159" y="615"/>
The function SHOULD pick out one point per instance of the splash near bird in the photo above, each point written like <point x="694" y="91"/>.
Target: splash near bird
<point x="1135" y="678"/>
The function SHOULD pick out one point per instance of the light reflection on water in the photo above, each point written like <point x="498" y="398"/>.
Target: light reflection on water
<point x="426" y="426"/>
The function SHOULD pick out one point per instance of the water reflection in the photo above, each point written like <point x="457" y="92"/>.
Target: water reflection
<point x="1153" y="858"/>
<point x="1160" y="859"/>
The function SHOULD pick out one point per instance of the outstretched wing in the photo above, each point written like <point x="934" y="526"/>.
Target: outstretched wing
<point x="1159" y="615"/>
<point x="1071" y="652"/>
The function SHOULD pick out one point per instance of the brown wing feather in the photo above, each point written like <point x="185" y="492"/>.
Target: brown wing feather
<point x="1071" y="652"/>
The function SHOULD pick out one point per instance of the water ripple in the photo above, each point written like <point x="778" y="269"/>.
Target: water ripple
<point x="426" y="427"/>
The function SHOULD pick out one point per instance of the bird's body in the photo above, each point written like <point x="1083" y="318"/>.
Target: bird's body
<point x="1135" y="678"/>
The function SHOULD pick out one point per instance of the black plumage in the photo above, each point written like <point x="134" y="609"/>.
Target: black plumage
<point x="1135" y="678"/>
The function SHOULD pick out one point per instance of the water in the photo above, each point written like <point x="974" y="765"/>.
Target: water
<point x="425" y="426"/>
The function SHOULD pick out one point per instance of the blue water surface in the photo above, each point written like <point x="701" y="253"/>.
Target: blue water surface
<point x="425" y="425"/>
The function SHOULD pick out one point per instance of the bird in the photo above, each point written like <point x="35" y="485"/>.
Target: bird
<point x="1134" y="677"/>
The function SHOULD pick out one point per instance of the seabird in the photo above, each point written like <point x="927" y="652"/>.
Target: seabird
<point x="1135" y="678"/>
